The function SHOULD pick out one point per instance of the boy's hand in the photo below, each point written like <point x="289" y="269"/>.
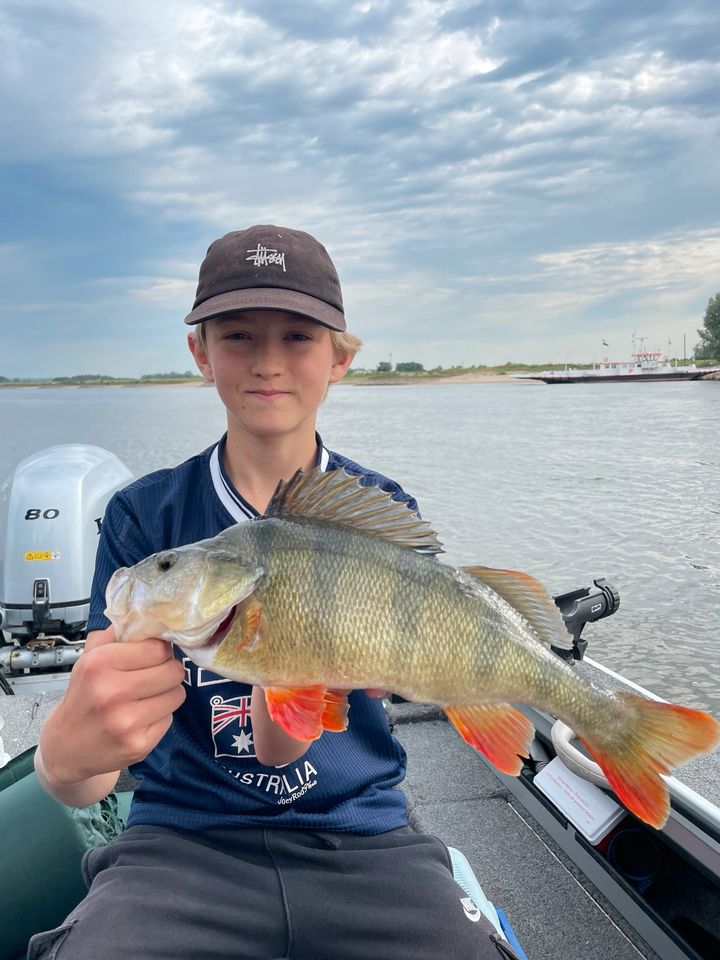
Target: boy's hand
<point x="118" y="705"/>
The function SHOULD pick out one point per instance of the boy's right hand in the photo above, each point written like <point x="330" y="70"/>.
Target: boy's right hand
<point x="118" y="705"/>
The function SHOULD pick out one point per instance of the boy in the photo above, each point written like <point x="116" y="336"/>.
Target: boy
<point x="242" y="841"/>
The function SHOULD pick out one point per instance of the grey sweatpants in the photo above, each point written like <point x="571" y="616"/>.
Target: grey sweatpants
<point x="163" y="894"/>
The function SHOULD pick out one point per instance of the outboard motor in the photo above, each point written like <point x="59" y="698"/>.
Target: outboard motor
<point x="51" y="511"/>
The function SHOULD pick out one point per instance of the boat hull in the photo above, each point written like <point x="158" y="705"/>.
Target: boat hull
<point x="620" y="377"/>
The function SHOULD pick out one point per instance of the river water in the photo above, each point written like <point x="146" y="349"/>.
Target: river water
<point x="569" y="483"/>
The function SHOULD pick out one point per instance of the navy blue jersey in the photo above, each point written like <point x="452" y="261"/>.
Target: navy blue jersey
<point x="204" y="772"/>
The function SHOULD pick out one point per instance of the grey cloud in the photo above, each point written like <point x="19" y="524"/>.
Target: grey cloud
<point x="552" y="53"/>
<point x="48" y="21"/>
<point x="315" y="20"/>
<point x="542" y="37"/>
<point x="479" y="16"/>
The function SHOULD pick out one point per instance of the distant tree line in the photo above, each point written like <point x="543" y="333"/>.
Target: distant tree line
<point x="174" y="375"/>
<point x="82" y="378"/>
<point x="709" y="346"/>
<point x="409" y="366"/>
<point x="103" y="378"/>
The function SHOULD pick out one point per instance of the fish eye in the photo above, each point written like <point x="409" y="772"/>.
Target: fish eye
<point x="166" y="560"/>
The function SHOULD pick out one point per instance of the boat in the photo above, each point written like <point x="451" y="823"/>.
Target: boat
<point x="588" y="885"/>
<point x="644" y="366"/>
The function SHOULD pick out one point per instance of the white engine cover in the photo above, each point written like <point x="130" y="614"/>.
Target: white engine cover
<point x="51" y="510"/>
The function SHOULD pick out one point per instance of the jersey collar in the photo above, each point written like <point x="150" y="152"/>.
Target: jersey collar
<point x="235" y="504"/>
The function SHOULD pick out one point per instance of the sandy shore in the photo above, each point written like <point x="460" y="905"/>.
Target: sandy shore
<point x="486" y="378"/>
<point x="429" y="381"/>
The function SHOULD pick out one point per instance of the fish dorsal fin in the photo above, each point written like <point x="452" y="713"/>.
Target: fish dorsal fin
<point x="530" y="599"/>
<point x="339" y="498"/>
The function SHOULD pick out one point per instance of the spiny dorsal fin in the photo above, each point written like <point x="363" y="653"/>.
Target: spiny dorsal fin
<point x="530" y="599"/>
<point x="338" y="497"/>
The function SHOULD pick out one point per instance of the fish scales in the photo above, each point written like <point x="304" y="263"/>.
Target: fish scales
<point x="326" y="609"/>
<point x="359" y="611"/>
<point x="334" y="590"/>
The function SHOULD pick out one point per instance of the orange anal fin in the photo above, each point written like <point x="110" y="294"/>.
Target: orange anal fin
<point x="656" y="738"/>
<point x="335" y="714"/>
<point x="298" y="710"/>
<point x="497" y="730"/>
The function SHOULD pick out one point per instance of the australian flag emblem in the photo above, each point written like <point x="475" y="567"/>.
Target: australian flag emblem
<point x="231" y="727"/>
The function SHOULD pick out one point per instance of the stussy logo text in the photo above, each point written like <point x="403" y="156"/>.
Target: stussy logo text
<point x="262" y="256"/>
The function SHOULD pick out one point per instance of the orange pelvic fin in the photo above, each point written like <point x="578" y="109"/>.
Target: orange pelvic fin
<point x="499" y="731"/>
<point x="658" y="737"/>
<point x="304" y="712"/>
<point x="335" y="714"/>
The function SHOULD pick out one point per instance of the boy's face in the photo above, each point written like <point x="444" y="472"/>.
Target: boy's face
<point x="271" y="369"/>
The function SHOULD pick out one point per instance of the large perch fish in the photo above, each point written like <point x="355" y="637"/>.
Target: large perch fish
<point x="337" y="588"/>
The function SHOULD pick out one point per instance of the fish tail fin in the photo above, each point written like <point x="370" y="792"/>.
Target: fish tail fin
<point x="658" y="737"/>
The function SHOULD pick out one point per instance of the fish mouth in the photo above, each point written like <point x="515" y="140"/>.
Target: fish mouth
<point x="216" y="638"/>
<point x="208" y="635"/>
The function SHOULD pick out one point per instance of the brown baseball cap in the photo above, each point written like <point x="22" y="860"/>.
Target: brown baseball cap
<point x="269" y="268"/>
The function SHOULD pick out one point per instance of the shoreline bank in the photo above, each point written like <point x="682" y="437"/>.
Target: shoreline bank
<point x="429" y="381"/>
<point x="357" y="381"/>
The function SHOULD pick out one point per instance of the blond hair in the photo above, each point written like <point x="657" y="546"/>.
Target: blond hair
<point x="342" y="341"/>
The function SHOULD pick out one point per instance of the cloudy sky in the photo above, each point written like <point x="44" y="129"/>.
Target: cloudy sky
<point x="499" y="180"/>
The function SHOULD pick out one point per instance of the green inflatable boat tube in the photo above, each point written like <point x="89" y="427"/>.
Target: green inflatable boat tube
<point x="43" y="843"/>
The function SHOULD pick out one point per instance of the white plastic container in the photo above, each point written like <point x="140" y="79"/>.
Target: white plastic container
<point x="587" y="807"/>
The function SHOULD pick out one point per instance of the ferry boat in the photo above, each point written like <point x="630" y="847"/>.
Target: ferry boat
<point x="643" y="366"/>
<point x="587" y="887"/>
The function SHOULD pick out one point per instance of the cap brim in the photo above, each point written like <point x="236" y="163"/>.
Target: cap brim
<point x="269" y="298"/>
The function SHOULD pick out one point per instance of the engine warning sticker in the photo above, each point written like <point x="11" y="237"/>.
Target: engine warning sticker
<point x="42" y="555"/>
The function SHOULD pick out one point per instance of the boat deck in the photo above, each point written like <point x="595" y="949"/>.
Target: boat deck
<point x="452" y="794"/>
